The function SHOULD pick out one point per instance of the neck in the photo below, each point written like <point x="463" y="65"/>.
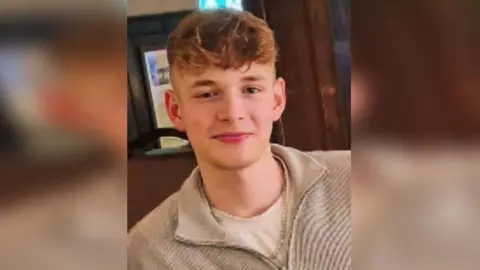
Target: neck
<point x="245" y="193"/>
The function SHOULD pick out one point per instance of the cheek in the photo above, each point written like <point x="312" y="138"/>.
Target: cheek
<point x="262" y="120"/>
<point x="263" y="117"/>
<point x="262" y="110"/>
<point x="196" y="116"/>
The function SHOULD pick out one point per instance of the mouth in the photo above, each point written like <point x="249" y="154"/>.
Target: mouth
<point x="232" y="137"/>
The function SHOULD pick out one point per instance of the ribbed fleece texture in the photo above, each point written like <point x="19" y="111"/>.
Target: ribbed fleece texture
<point x="179" y="234"/>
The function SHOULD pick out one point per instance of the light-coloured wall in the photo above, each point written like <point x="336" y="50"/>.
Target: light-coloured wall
<point x="144" y="7"/>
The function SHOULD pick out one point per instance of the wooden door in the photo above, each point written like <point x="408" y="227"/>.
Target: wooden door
<point x="313" y="37"/>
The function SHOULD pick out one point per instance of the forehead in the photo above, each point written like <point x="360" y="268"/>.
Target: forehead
<point x="186" y="78"/>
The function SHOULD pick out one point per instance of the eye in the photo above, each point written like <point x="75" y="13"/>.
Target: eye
<point x="206" y="95"/>
<point x="252" y="90"/>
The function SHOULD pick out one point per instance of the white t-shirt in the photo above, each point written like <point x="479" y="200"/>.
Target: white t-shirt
<point x="261" y="233"/>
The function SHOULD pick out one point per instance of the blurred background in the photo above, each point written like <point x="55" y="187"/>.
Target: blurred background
<point x="63" y="132"/>
<point x="415" y="131"/>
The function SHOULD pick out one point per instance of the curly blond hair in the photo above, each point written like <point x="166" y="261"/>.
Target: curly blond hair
<point x="227" y="39"/>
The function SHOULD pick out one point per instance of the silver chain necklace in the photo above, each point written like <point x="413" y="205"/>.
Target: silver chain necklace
<point x="284" y="218"/>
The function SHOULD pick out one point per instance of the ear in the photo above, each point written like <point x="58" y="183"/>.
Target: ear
<point x="173" y="109"/>
<point x="280" y="98"/>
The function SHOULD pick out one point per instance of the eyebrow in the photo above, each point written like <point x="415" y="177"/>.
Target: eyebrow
<point x="253" y="78"/>
<point x="205" y="83"/>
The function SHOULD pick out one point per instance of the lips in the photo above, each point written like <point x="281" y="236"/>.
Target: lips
<point x="232" y="137"/>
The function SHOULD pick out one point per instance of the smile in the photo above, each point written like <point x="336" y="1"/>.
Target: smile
<point x="235" y="137"/>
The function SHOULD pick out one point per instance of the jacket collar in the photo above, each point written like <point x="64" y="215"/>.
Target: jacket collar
<point x="195" y="222"/>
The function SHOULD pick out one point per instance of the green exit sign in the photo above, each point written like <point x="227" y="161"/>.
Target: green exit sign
<point x="218" y="4"/>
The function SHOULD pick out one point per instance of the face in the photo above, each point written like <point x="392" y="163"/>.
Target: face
<point x="227" y="114"/>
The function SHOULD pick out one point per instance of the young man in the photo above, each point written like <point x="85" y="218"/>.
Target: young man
<point x="249" y="204"/>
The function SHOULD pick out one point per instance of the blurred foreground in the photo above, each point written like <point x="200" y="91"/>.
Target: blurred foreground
<point x="416" y="127"/>
<point x="63" y="83"/>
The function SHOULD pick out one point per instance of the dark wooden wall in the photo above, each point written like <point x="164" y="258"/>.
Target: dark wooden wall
<point x="316" y="114"/>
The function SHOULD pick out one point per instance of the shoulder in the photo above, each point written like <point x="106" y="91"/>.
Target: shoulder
<point x="338" y="163"/>
<point x="333" y="190"/>
<point x="326" y="211"/>
<point x="333" y="159"/>
<point x="151" y="235"/>
<point x="305" y="164"/>
<point x="335" y="183"/>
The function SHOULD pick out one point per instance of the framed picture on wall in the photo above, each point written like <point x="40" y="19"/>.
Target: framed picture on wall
<point x="157" y="75"/>
<point x="157" y="78"/>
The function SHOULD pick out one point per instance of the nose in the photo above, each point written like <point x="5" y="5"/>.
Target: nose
<point x="232" y="107"/>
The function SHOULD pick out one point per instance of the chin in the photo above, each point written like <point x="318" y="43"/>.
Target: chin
<point x="234" y="163"/>
<point x="234" y="156"/>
